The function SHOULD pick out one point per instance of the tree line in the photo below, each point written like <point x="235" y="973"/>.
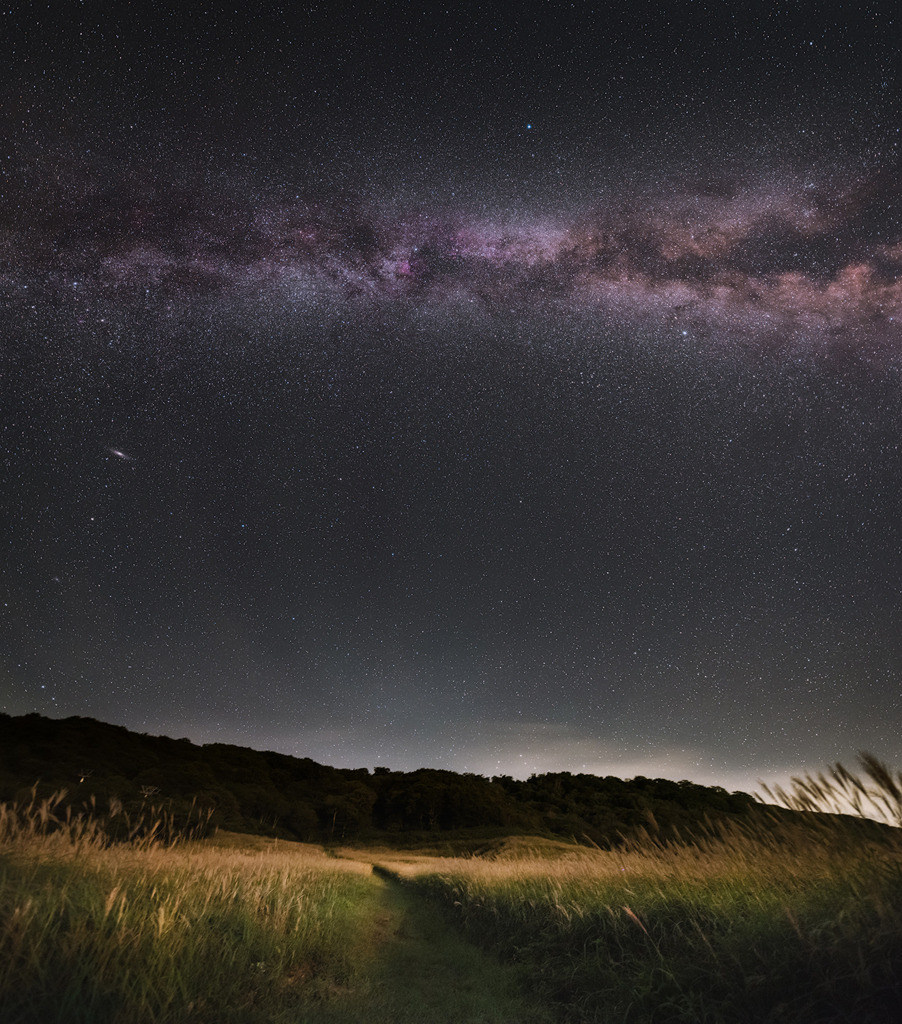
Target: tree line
<point x="269" y="793"/>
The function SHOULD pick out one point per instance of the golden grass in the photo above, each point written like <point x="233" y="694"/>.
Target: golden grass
<point x="146" y="931"/>
<point x="763" y="919"/>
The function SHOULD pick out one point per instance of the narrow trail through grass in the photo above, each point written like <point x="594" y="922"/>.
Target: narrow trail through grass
<point x="421" y="971"/>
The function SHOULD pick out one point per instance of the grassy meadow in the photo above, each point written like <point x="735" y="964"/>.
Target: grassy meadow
<point x="774" y="919"/>
<point x="780" y="926"/>
<point x="150" y="931"/>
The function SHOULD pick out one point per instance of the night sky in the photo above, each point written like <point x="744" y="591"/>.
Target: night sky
<point x="501" y="393"/>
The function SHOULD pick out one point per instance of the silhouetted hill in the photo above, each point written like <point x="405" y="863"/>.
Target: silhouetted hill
<point x="274" y="794"/>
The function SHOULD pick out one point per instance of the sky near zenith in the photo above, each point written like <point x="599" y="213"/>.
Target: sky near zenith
<point x="451" y="388"/>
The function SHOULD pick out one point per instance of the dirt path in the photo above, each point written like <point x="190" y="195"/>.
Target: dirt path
<point x="420" y="971"/>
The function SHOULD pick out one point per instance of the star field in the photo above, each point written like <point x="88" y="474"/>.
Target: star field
<point x="457" y="394"/>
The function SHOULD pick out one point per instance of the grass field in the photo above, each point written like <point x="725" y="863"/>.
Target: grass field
<point x="151" y="932"/>
<point x="768" y="921"/>
<point x="749" y="927"/>
<point x="233" y="928"/>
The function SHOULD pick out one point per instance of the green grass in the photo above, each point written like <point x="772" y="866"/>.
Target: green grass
<point x="232" y="928"/>
<point x="423" y="972"/>
<point x="131" y="933"/>
<point x="771" y="920"/>
<point x="767" y="922"/>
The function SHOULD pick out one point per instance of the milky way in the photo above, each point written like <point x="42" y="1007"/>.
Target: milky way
<point x="795" y="259"/>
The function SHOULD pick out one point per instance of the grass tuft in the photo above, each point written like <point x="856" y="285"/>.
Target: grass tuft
<point x="158" y="930"/>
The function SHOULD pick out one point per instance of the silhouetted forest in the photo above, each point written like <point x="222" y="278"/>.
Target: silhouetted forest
<point x="274" y="794"/>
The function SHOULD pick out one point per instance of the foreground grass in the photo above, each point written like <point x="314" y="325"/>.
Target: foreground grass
<point x="764" y="923"/>
<point x="424" y="972"/>
<point x="770" y="921"/>
<point x="229" y="929"/>
<point x="90" y="933"/>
